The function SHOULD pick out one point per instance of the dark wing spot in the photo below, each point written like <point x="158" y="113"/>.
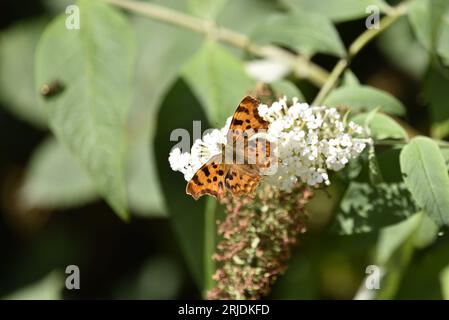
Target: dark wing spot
<point x="237" y="122"/>
<point x="248" y="127"/>
<point x="196" y="180"/>
<point x="209" y="180"/>
<point x="247" y="121"/>
<point x="215" y="179"/>
<point x="243" y="109"/>
<point x="206" y="171"/>
<point x="220" y="172"/>
<point x="261" y="121"/>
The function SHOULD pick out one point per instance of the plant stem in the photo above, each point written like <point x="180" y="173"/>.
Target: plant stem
<point x="392" y="143"/>
<point x="441" y="144"/>
<point x="338" y="70"/>
<point x="301" y="66"/>
<point x="209" y="244"/>
<point x="393" y="15"/>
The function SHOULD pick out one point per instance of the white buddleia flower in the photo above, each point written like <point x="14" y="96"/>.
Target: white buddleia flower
<point x="309" y="141"/>
<point x="202" y="150"/>
<point x="267" y="70"/>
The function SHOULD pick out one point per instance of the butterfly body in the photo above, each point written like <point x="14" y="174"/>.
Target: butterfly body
<point x="236" y="168"/>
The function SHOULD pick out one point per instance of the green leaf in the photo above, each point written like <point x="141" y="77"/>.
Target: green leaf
<point x="306" y="32"/>
<point x="426" y="233"/>
<point x="437" y="97"/>
<point x="95" y="65"/>
<point x="368" y="118"/>
<point x="207" y="9"/>
<point x="392" y="237"/>
<point x="218" y="80"/>
<point x="368" y="207"/>
<point x="186" y="214"/>
<point x="395" y="249"/>
<point x="144" y="191"/>
<point x="243" y="16"/>
<point x="420" y="16"/>
<point x="288" y="89"/>
<point x="382" y="126"/>
<point x="161" y="53"/>
<point x="364" y="98"/>
<point x="442" y="45"/>
<point x="17" y="88"/>
<point x="48" y="288"/>
<point x="400" y="47"/>
<point x="54" y="179"/>
<point x="364" y="207"/>
<point x="425" y="175"/>
<point x="445" y="152"/>
<point x="429" y="21"/>
<point x="349" y="79"/>
<point x="336" y="10"/>
<point x="422" y="278"/>
<point x="444" y="279"/>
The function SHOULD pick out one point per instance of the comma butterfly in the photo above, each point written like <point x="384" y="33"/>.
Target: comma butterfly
<point x="237" y="167"/>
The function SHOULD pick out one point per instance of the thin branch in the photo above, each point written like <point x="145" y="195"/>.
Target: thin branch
<point x="393" y="15"/>
<point x="301" y="66"/>
<point x="398" y="143"/>
<point x="209" y="244"/>
<point x="332" y="80"/>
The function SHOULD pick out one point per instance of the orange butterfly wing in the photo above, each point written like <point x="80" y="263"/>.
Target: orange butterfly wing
<point x="242" y="179"/>
<point x="259" y="152"/>
<point x="245" y="123"/>
<point x="246" y="120"/>
<point x="209" y="179"/>
<point x="215" y="177"/>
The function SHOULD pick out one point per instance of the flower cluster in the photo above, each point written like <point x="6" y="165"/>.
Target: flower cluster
<point x="258" y="232"/>
<point x="202" y="150"/>
<point x="310" y="141"/>
<point x="257" y="237"/>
